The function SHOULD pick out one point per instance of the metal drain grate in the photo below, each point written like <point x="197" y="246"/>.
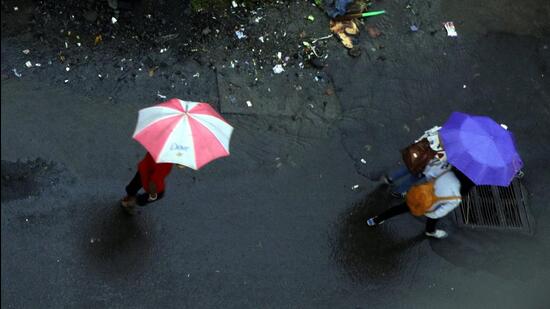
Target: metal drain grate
<point x="494" y="207"/>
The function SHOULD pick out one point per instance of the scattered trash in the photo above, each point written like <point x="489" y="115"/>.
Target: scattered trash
<point x="249" y="103"/>
<point x="162" y="50"/>
<point x="355" y="187"/>
<point x="66" y="45"/>
<point x="463" y="86"/>
<point x="261" y="39"/>
<point x="196" y="74"/>
<point x="240" y="34"/>
<point x="505" y="127"/>
<point x="358" y="15"/>
<point x="67" y="69"/>
<point x="311" y="18"/>
<point x="28" y="64"/>
<point x="100" y="76"/>
<point x="322" y="38"/>
<point x="279" y="55"/>
<point x="344" y="30"/>
<point x="160" y="95"/>
<point x="37" y="65"/>
<point x="113" y="20"/>
<point x="278" y="69"/>
<point x="234" y="4"/>
<point x="414" y="28"/>
<point x="363" y="161"/>
<point x="66" y="81"/>
<point x="98" y="39"/>
<point x="15" y="8"/>
<point x="78" y="44"/>
<point x="26" y="51"/>
<point x="450" y="27"/>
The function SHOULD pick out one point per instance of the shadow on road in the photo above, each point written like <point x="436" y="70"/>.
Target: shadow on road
<point x="367" y="253"/>
<point x="117" y="244"/>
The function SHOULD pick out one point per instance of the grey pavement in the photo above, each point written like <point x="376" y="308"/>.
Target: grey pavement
<point x="278" y="223"/>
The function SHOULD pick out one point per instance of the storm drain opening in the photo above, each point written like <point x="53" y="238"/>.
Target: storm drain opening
<point x="494" y="207"/>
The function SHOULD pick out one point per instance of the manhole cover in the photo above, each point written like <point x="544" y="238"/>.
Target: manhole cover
<point x="493" y="207"/>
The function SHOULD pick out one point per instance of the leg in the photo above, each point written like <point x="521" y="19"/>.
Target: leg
<point x="133" y="187"/>
<point x="430" y="225"/>
<point x="398" y="173"/>
<point x="392" y="212"/>
<point x="431" y="231"/>
<point x="408" y="182"/>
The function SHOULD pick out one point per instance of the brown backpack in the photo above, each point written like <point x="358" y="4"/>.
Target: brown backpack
<point x="421" y="198"/>
<point x="416" y="156"/>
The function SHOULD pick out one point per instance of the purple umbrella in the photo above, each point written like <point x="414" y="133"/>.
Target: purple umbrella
<point x="481" y="149"/>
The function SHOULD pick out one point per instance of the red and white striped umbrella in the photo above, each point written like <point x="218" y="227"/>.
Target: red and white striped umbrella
<point x="183" y="132"/>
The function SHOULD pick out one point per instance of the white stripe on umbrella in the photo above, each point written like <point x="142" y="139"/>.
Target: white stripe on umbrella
<point x="152" y="114"/>
<point x="178" y="149"/>
<point x="183" y="132"/>
<point x="221" y="129"/>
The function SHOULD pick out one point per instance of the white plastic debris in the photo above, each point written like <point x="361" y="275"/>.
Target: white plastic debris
<point x="234" y="4"/>
<point x="278" y="69"/>
<point x="66" y="81"/>
<point x="279" y="55"/>
<point x="249" y="103"/>
<point x="66" y="45"/>
<point x="113" y="20"/>
<point x="26" y="51"/>
<point x="78" y="44"/>
<point x="505" y="127"/>
<point x="257" y="19"/>
<point x="363" y="161"/>
<point x="15" y="8"/>
<point x="16" y="73"/>
<point x="160" y="95"/>
<point x="162" y="50"/>
<point x="355" y="187"/>
<point x="450" y="27"/>
<point x="196" y="74"/>
<point x="240" y="34"/>
<point x="99" y="75"/>
<point x="261" y="39"/>
<point x="67" y="69"/>
<point x="28" y="64"/>
<point x="37" y="65"/>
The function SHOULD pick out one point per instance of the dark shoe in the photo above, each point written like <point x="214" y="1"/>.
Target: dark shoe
<point x="371" y="222"/>
<point x="386" y="179"/>
<point x="399" y="195"/>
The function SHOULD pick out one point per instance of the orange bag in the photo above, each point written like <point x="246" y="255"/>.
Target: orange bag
<point x="421" y="198"/>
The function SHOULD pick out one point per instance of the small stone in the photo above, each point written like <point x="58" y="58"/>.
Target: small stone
<point x="355" y="52"/>
<point x="373" y="32"/>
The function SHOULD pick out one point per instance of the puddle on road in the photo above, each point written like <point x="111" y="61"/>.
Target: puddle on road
<point x="115" y="243"/>
<point x="24" y="179"/>
<point x="367" y="253"/>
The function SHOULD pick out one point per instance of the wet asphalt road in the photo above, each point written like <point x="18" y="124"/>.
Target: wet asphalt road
<point x="277" y="224"/>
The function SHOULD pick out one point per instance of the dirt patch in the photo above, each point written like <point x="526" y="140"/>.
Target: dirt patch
<point x="25" y="179"/>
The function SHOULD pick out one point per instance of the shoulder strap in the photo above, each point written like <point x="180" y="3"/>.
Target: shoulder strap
<point x="448" y="198"/>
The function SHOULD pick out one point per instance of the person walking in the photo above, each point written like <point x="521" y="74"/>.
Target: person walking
<point x="433" y="199"/>
<point x="149" y="177"/>
<point x="429" y="159"/>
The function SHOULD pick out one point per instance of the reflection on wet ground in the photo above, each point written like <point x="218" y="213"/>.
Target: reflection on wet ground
<point x="367" y="253"/>
<point x="117" y="244"/>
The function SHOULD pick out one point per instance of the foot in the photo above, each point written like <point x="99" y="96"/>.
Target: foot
<point x="371" y="222"/>
<point x="437" y="234"/>
<point x="398" y="194"/>
<point x="128" y="201"/>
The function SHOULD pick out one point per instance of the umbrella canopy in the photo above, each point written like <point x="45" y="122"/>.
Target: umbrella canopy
<point x="481" y="149"/>
<point x="183" y="132"/>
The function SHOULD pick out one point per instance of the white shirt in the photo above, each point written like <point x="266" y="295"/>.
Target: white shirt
<point x="446" y="185"/>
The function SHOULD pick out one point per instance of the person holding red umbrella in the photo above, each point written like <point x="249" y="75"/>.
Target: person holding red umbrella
<point x="150" y="176"/>
<point x="174" y="132"/>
